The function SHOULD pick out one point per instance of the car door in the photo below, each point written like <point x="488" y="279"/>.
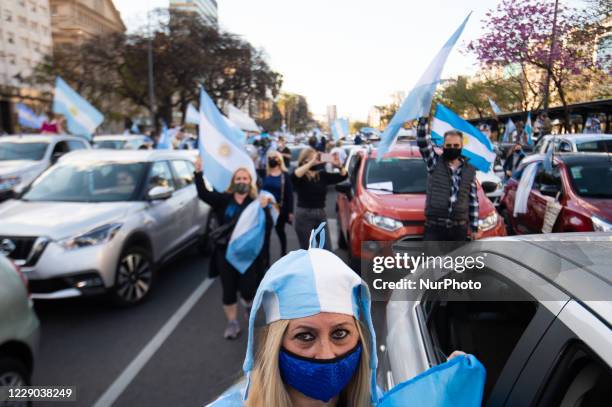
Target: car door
<point x="188" y="215"/>
<point x="162" y="219"/>
<point x="538" y="200"/>
<point x="571" y="366"/>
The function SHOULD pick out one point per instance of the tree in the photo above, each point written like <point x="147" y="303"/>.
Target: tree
<point x="519" y="33"/>
<point x="357" y="125"/>
<point x="295" y="112"/>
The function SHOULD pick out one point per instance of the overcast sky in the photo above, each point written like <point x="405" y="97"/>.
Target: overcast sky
<point x="349" y="53"/>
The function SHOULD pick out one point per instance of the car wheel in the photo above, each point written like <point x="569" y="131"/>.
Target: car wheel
<point x="506" y="216"/>
<point x="133" y="277"/>
<point x="13" y="372"/>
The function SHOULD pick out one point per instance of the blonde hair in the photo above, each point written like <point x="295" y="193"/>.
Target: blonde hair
<point x="253" y="188"/>
<point x="279" y="157"/>
<point x="267" y="387"/>
<point x="303" y="157"/>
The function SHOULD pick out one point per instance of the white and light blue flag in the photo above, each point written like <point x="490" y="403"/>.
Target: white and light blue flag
<point x="510" y="128"/>
<point x="418" y="102"/>
<point x="135" y="129"/>
<point x="222" y="154"/>
<point x="192" y="116"/>
<point x="494" y="107"/>
<point x="81" y="117"/>
<point x="477" y="147"/>
<point x="340" y="128"/>
<point x="27" y="118"/>
<point x="529" y="129"/>
<point x="165" y="141"/>
<point x="248" y="236"/>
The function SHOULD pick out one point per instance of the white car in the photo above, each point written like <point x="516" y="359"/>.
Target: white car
<point x="575" y="143"/>
<point x="123" y="142"/>
<point x="23" y="158"/>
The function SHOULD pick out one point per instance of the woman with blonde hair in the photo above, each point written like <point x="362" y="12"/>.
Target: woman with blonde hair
<point x="318" y="347"/>
<point x="227" y="207"/>
<point x="278" y="183"/>
<point x="310" y="181"/>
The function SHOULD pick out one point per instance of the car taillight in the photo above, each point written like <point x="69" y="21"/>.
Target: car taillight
<point x="23" y="278"/>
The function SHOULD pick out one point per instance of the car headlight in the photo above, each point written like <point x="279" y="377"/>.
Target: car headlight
<point x="600" y="225"/>
<point x="8" y="183"/>
<point x="383" y="222"/>
<point x="94" y="237"/>
<point x="488" y="223"/>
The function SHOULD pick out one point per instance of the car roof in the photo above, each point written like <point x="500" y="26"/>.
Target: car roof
<point x="118" y="137"/>
<point x="400" y="150"/>
<point x="583" y="137"/>
<point x="39" y="138"/>
<point x="125" y="155"/>
<point x="583" y="158"/>
<point x="591" y="254"/>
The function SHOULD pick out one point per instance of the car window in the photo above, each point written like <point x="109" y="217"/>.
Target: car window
<point x="592" y="180"/>
<point x="580" y="379"/>
<point x="76" y="145"/>
<point x="61" y="148"/>
<point x="183" y="173"/>
<point x="22" y="151"/>
<point x="353" y="169"/>
<point x="547" y="178"/>
<point x="160" y="175"/>
<point x="490" y="330"/>
<point x="564" y="146"/>
<point x="389" y="174"/>
<point x="596" y="146"/>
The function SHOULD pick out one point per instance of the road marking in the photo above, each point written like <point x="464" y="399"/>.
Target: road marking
<point x="332" y="224"/>
<point x="131" y="371"/>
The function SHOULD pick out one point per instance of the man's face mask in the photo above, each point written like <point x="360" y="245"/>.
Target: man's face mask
<point x="451" y="153"/>
<point x="319" y="379"/>
<point x="241" y="188"/>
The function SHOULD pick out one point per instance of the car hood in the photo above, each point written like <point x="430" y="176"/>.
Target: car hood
<point x="59" y="220"/>
<point x="17" y="167"/>
<point x="602" y="208"/>
<point x="396" y="206"/>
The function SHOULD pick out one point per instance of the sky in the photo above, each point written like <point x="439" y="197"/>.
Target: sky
<point x="350" y="53"/>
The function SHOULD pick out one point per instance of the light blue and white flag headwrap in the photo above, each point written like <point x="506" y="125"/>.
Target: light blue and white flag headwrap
<point x="81" y="117"/>
<point x="510" y="128"/>
<point x="494" y="107"/>
<point x="476" y="146"/>
<point x="529" y="129"/>
<point x="248" y="236"/>
<point x="221" y="152"/>
<point x="27" y="118"/>
<point x="306" y="283"/>
<point x="340" y="129"/>
<point x="418" y="102"/>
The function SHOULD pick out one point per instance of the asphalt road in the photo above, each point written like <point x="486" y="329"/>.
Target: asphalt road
<point x="169" y="351"/>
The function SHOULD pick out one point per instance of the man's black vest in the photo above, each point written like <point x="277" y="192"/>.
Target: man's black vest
<point x="439" y="190"/>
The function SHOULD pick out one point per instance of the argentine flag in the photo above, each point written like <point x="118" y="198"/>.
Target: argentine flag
<point x="494" y="107"/>
<point x="510" y="128"/>
<point x="418" y="102"/>
<point x="27" y="118"/>
<point x="476" y="146"/>
<point x="529" y="129"/>
<point x="222" y="154"/>
<point x="191" y="115"/>
<point x="340" y="128"/>
<point x="165" y="141"/>
<point x="81" y="117"/>
<point x="248" y="236"/>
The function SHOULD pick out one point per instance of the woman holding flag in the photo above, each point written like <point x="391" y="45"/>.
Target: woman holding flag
<point x="278" y="183"/>
<point x="227" y="207"/>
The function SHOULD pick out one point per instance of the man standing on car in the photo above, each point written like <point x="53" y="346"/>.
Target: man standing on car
<point x="451" y="206"/>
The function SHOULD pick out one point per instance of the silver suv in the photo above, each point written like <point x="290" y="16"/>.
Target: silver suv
<point x="102" y="221"/>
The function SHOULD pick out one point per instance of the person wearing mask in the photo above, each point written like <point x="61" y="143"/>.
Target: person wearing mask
<point x="310" y="181"/>
<point x="284" y="150"/>
<point x="515" y="156"/>
<point x="451" y="205"/>
<point x="318" y="345"/>
<point x="278" y="183"/>
<point x="227" y="207"/>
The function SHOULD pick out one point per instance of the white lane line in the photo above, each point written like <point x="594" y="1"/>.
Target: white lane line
<point x="332" y="224"/>
<point x="131" y="371"/>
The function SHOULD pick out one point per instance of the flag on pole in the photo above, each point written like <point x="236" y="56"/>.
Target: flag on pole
<point x="135" y="129"/>
<point x="221" y="152"/>
<point x="340" y="128"/>
<point x="418" y="101"/>
<point x="27" y="118"/>
<point x="510" y="128"/>
<point x="477" y="147"/>
<point x="494" y="107"/>
<point x="81" y="117"/>
<point x="529" y="129"/>
<point x="192" y="116"/>
<point x="165" y="141"/>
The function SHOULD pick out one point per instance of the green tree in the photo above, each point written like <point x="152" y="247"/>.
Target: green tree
<point x="295" y="112"/>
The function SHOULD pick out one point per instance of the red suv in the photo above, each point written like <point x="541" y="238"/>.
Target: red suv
<point x="580" y="182"/>
<point x="385" y="201"/>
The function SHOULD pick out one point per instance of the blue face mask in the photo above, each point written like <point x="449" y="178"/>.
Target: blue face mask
<point x="319" y="379"/>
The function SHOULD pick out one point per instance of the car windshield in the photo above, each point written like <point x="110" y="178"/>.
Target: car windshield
<point x="595" y="146"/>
<point x="88" y="182"/>
<point x="22" y="151"/>
<point x="110" y="144"/>
<point x="592" y="180"/>
<point x="396" y="175"/>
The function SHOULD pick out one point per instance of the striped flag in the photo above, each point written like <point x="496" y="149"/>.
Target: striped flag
<point x="477" y="147"/>
<point x="340" y="129"/>
<point x="494" y="107"/>
<point x="165" y="141"/>
<point x="510" y="128"/>
<point x="192" y="116"/>
<point x="529" y="129"/>
<point x="81" y="117"/>
<point x="27" y="118"/>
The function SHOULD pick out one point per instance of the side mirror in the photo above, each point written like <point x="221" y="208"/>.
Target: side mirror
<point x="344" y="187"/>
<point x="549" y="190"/>
<point x="489" y="187"/>
<point x="159" y="193"/>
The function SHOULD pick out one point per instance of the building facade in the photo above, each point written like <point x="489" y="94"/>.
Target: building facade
<point x="206" y="9"/>
<point x="25" y="39"/>
<point x="74" y="21"/>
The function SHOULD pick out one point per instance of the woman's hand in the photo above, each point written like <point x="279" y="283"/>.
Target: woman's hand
<point x="455" y="354"/>
<point x="198" y="164"/>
